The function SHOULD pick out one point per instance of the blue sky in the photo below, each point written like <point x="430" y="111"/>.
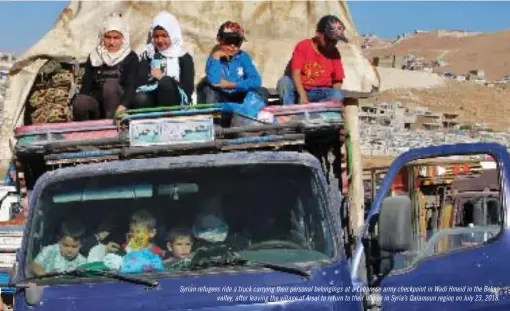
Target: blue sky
<point x="22" y="23"/>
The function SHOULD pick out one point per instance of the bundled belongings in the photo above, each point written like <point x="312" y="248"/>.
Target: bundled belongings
<point x="54" y="86"/>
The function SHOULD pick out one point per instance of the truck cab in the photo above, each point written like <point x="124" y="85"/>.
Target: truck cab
<point x="262" y="202"/>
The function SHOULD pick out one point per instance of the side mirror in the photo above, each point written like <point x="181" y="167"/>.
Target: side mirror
<point x="395" y="224"/>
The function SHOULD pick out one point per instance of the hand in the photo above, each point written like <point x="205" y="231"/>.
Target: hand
<point x="218" y="54"/>
<point x="112" y="247"/>
<point x="224" y="84"/>
<point x="102" y="235"/>
<point x="119" y="110"/>
<point x="303" y="99"/>
<point x="156" y="73"/>
<point x="119" y="113"/>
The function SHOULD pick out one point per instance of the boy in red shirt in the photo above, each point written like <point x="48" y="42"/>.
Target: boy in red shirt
<point x="316" y="66"/>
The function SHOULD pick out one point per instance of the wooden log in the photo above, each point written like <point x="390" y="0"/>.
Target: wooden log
<point x="356" y="191"/>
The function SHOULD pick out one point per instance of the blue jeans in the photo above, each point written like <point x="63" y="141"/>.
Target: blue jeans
<point x="289" y="96"/>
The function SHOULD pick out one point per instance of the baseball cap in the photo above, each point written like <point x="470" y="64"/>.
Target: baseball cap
<point x="332" y="27"/>
<point x="230" y="29"/>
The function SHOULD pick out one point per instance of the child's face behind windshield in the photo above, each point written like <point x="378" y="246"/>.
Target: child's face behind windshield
<point x="139" y="236"/>
<point x="181" y="246"/>
<point x="69" y="247"/>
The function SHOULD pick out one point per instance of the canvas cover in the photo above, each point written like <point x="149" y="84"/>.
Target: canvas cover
<point x="272" y="29"/>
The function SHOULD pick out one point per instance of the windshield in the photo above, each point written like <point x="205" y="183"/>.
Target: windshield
<point x="177" y="220"/>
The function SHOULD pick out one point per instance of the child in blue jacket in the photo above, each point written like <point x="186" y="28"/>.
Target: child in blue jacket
<point x="231" y="75"/>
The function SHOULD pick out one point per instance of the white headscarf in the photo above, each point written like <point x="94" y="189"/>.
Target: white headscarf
<point x="170" y="24"/>
<point x="100" y="55"/>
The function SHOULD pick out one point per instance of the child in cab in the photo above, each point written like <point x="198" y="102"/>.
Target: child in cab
<point x="63" y="255"/>
<point x="142" y="255"/>
<point x="179" y="244"/>
<point x="142" y="231"/>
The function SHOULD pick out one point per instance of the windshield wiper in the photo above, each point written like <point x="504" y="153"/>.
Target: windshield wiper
<point x="289" y="268"/>
<point x="235" y="259"/>
<point x="87" y="272"/>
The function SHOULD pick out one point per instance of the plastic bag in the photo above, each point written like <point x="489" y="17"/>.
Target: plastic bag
<point x="210" y="228"/>
<point x="141" y="261"/>
<point x="97" y="253"/>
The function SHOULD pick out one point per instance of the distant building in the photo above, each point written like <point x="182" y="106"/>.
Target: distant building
<point x="478" y="73"/>
<point x="392" y="61"/>
<point x="6" y="62"/>
<point x="450" y="120"/>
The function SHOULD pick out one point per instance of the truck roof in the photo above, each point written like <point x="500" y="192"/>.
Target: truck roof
<point x="238" y="158"/>
<point x="187" y="130"/>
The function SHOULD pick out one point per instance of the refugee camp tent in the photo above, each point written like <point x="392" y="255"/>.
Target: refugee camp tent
<point x="272" y="29"/>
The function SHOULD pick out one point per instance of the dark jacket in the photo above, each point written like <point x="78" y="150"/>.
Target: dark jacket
<point x="125" y="71"/>
<point x="187" y="73"/>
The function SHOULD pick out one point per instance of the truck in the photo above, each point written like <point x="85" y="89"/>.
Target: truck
<point x="12" y="219"/>
<point x="446" y="194"/>
<point x="264" y="202"/>
<point x="267" y="202"/>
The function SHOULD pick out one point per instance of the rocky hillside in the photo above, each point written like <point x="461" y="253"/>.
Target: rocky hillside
<point x="461" y="51"/>
<point x="474" y="103"/>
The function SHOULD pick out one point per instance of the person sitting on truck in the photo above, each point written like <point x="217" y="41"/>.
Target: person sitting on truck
<point x="315" y="72"/>
<point x="63" y="255"/>
<point x="231" y="75"/>
<point x="167" y="72"/>
<point x="109" y="80"/>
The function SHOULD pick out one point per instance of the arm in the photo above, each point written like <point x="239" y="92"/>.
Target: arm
<point x="296" y="77"/>
<point x="37" y="270"/>
<point x="297" y="63"/>
<point x="87" y="80"/>
<point x="37" y="265"/>
<point x="338" y="73"/>
<point x="252" y="78"/>
<point x="129" y="79"/>
<point x="213" y="70"/>
<point x="144" y="70"/>
<point x="187" y="76"/>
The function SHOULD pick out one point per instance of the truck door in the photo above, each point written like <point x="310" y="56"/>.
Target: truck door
<point x="470" y="273"/>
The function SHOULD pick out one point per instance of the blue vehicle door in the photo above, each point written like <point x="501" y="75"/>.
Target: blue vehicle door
<point x="456" y="268"/>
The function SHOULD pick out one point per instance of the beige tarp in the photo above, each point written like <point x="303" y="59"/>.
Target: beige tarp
<point x="272" y="29"/>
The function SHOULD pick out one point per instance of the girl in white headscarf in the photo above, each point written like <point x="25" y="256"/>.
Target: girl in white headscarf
<point x="109" y="81"/>
<point x="167" y="71"/>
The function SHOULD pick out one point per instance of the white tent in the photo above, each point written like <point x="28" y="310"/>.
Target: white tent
<point x="272" y="29"/>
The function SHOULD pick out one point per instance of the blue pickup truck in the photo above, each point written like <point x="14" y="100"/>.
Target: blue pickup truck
<point x="179" y="212"/>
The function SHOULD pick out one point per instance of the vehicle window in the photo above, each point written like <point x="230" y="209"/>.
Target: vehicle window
<point x="181" y="220"/>
<point x="455" y="206"/>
